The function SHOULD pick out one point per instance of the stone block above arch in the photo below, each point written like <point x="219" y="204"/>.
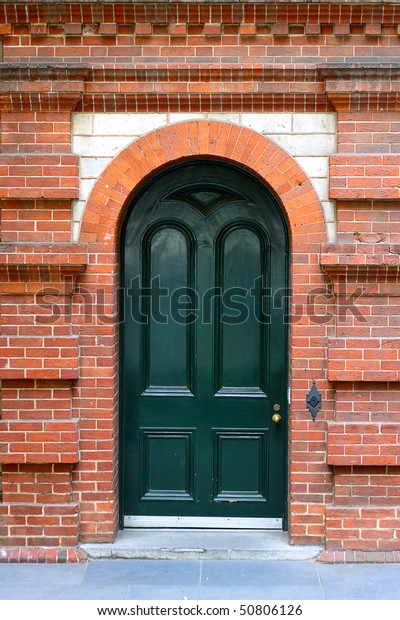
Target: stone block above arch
<point x="211" y="139"/>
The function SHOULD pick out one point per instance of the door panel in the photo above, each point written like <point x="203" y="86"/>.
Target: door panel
<point x="168" y="472"/>
<point x="242" y="261"/>
<point x="167" y="253"/>
<point x="203" y="348"/>
<point x="240" y="473"/>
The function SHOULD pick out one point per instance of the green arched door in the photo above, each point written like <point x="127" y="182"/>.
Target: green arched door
<point x="203" y="344"/>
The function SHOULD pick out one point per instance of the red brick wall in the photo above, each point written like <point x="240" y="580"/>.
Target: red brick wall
<point x="364" y="176"/>
<point x="246" y="32"/>
<point x="38" y="176"/>
<point x="35" y="220"/>
<point x="36" y="132"/>
<point x="231" y="57"/>
<point x="368" y="402"/>
<point x="368" y="132"/>
<point x="35" y="400"/>
<point x="39" y="439"/>
<point x="368" y="221"/>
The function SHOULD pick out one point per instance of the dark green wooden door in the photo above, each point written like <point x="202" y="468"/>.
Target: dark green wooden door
<point x="204" y="347"/>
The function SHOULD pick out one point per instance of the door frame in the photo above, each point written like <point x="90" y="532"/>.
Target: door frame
<point x="100" y="233"/>
<point x="130" y="206"/>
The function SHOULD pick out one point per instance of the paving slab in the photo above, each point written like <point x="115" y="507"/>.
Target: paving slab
<point x="60" y="593"/>
<point x="42" y="574"/>
<point x="151" y="573"/>
<point x="259" y="574"/>
<point x="227" y="593"/>
<point x="360" y="581"/>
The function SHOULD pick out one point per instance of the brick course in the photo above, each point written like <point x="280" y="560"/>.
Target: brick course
<point x="355" y="177"/>
<point x="118" y="33"/>
<point x="44" y="176"/>
<point x="34" y="441"/>
<point x="361" y="443"/>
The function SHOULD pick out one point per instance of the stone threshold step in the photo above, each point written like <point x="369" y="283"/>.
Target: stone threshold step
<point x="191" y="544"/>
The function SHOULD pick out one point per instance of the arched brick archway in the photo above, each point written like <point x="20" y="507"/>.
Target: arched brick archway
<point x="191" y="139"/>
<point x="100" y="229"/>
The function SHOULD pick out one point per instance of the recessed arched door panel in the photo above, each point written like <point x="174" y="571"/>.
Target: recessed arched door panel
<point x="203" y="344"/>
<point x="242" y="265"/>
<point x="166" y="260"/>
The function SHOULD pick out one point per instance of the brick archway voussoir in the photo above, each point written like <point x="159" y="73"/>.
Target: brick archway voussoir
<point x="191" y="139"/>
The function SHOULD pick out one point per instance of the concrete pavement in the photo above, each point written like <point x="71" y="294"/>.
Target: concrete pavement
<point x="199" y="579"/>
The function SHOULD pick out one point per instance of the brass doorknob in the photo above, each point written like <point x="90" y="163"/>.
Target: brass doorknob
<point x="276" y="418"/>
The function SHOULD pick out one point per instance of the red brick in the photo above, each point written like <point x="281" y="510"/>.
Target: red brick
<point x="342" y="29"/>
<point x="212" y="30"/>
<point x="280" y="29"/>
<point x="313" y="29"/>
<point x="73" y="28"/>
<point x="178" y="29"/>
<point x="373" y="29"/>
<point x="248" y="30"/>
<point x="38" y="29"/>
<point x="143" y="29"/>
<point x="109" y="29"/>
